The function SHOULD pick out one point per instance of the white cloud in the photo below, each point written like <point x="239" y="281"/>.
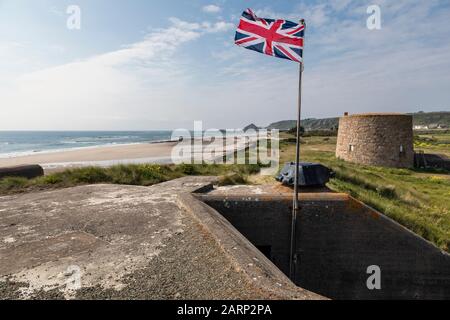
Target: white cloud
<point x="220" y="26"/>
<point x="212" y="8"/>
<point x="316" y="15"/>
<point x="203" y="27"/>
<point x="57" y="12"/>
<point x="139" y="86"/>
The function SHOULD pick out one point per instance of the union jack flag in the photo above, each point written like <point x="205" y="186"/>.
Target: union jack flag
<point x="277" y="38"/>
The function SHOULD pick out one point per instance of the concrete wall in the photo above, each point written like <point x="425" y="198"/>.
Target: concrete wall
<point x="376" y="139"/>
<point x="265" y="223"/>
<point x="338" y="239"/>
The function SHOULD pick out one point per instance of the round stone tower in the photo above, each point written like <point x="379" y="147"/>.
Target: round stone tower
<point x="378" y="139"/>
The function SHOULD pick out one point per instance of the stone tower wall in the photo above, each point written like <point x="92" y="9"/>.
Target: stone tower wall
<point x="376" y="139"/>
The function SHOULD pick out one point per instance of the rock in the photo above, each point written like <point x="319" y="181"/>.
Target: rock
<point x="27" y="171"/>
<point x="251" y="127"/>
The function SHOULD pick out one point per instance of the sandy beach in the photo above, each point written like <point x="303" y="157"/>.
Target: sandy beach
<point x="150" y="152"/>
<point x="158" y="153"/>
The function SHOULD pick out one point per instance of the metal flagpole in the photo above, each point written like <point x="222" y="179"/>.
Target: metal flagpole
<point x="296" y="208"/>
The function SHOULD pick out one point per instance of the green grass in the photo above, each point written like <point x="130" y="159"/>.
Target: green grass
<point x="142" y="175"/>
<point x="433" y="142"/>
<point x="419" y="200"/>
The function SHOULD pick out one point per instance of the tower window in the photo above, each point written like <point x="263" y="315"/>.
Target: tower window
<point x="351" y="148"/>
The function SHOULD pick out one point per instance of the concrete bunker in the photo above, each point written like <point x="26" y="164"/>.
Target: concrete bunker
<point x="131" y="242"/>
<point x="339" y="238"/>
<point x="208" y="238"/>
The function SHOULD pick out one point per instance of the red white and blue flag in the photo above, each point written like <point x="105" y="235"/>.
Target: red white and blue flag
<point x="276" y="38"/>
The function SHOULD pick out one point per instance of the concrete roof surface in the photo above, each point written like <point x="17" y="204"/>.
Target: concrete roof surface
<point x="125" y="242"/>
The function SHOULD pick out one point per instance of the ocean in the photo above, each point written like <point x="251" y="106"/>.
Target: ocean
<point x="17" y="143"/>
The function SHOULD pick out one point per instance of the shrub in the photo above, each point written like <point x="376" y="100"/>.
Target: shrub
<point x="89" y="175"/>
<point x="135" y="174"/>
<point x="387" y="191"/>
<point x="9" y="183"/>
<point x="189" y="169"/>
<point x="51" y="179"/>
<point x="233" y="179"/>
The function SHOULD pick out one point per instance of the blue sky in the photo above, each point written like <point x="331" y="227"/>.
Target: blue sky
<point x="141" y="65"/>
